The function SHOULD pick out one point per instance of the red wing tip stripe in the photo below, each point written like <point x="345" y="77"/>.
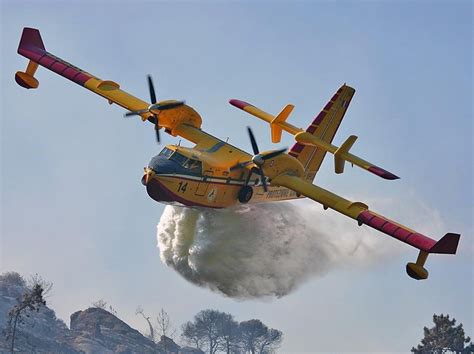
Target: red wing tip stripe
<point x="390" y="228"/>
<point x="32" y="53"/>
<point x="46" y="60"/>
<point x="402" y="234"/>
<point x="382" y="173"/>
<point x="328" y="106"/>
<point x="239" y="104"/>
<point x="319" y="118"/>
<point x="378" y="223"/>
<point x="52" y="63"/>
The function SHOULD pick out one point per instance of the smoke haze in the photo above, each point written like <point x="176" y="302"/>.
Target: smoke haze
<point x="264" y="250"/>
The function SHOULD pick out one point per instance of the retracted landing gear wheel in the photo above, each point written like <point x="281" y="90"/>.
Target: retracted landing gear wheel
<point x="245" y="194"/>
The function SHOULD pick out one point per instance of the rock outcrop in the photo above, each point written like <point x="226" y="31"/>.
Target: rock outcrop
<point x="38" y="331"/>
<point x="98" y="331"/>
<point x="91" y="331"/>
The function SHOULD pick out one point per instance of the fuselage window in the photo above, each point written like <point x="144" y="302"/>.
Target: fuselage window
<point x="166" y="152"/>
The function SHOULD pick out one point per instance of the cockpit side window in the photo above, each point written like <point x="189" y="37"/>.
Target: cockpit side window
<point x="194" y="165"/>
<point x="166" y="152"/>
<point x="177" y="157"/>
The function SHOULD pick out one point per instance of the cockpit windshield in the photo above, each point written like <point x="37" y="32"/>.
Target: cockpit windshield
<point x="166" y="152"/>
<point x="189" y="164"/>
<point x="194" y="166"/>
<point x="177" y="157"/>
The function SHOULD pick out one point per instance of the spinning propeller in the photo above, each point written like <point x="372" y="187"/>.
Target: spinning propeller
<point x="161" y="106"/>
<point x="258" y="159"/>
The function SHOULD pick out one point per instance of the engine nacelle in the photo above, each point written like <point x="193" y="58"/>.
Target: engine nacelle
<point x="283" y="164"/>
<point x="174" y="118"/>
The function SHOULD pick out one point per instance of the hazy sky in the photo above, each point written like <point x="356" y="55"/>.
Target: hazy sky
<point x="73" y="208"/>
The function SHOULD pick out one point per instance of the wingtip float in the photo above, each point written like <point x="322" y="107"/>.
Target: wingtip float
<point x="215" y="174"/>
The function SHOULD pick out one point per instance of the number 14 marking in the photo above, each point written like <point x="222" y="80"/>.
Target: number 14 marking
<point x="182" y="187"/>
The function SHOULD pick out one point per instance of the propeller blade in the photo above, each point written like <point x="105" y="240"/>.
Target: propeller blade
<point x="157" y="129"/>
<point x="262" y="176"/>
<point x="173" y="105"/>
<point x="253" y="141"/>
<point x="152" y="89"/>
<point x="273" y="154"/>
<point x="136" y="113"/>
<point x="165" y="106"/>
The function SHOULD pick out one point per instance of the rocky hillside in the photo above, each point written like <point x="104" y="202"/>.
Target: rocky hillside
<point x="93" y="330"/>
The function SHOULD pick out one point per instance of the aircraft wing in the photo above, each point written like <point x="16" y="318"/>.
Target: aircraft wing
<point x="182" y="120"/>
<point x="360" y="212"/>
<point x="32" y="47"/>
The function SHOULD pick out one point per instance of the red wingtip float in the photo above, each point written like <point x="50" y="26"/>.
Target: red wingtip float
<point x="215" y="174"/>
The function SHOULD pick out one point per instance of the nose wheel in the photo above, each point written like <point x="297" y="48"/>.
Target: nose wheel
<point x="245" y="194"/>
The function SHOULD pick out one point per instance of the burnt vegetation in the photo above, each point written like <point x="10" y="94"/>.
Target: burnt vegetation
<point x="29" y="325"/>
<point x="214" y="331"/>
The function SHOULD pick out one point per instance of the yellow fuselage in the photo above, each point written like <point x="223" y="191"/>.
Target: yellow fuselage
<point x="200" y="177"/>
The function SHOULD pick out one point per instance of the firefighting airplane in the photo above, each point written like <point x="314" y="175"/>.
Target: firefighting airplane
<point x="215" y="174"/>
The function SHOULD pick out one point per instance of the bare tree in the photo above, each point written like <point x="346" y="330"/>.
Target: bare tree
<point x="102" y="304"/>
<point x="31" y="300"/>
<point x="164" y="324"/>
<point x="140" y="312"/>
<point x="38" y="280"/>
<point x="112" y="310"/>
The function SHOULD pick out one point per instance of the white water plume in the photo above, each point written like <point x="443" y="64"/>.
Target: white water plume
<point x="263" y="250"/>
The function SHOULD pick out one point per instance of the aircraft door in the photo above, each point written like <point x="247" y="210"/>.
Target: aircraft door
<point x="203" y="184"/>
